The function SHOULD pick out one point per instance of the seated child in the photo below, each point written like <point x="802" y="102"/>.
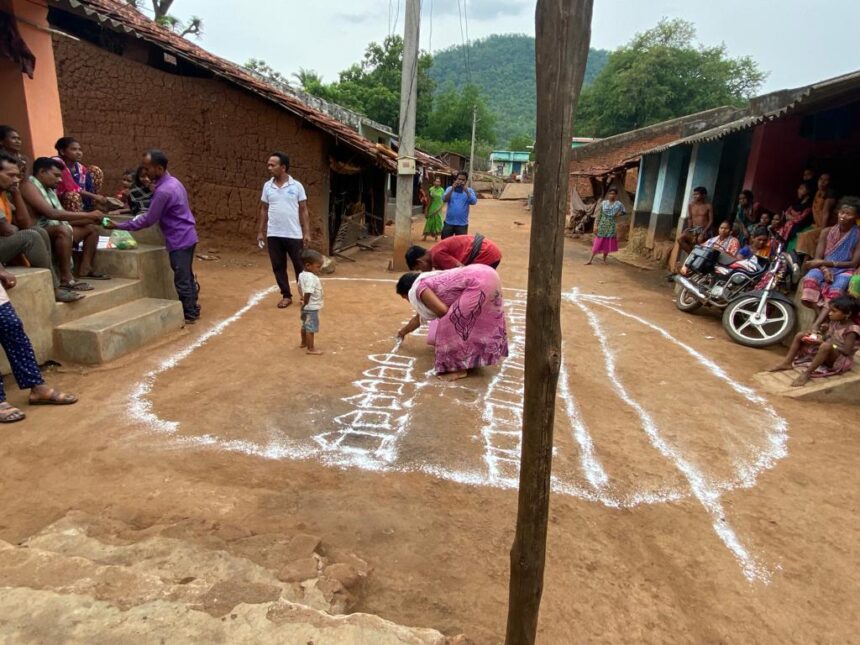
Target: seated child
<point x="127" y="183"/>
<point x="827" y="352"/>
<point x="311" y="290"/>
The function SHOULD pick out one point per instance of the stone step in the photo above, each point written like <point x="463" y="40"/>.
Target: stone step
<point x="87" y="579"/>
<point x="147" y="262"/>
<point x="844" y="388"/>
<point x="109" y="334"/>
<point x="47" y="616"/>
<point x="105" y="295"/>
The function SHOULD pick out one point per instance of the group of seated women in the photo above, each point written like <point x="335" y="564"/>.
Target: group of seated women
<point x="826" y="240"/>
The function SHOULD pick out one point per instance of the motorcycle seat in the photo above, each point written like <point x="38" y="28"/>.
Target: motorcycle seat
<point x="750" y="267"/>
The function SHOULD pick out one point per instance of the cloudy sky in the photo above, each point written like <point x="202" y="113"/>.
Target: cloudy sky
<point x="796" y="41"/>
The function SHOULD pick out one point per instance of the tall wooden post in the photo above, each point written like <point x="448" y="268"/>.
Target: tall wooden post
<point x="406" y="133"/>
<point x="562" y="37"/>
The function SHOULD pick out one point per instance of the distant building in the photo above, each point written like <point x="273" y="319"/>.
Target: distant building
<point x="504" y="163"/>
<point x="763" y="147"/>
<point x="455" y="160"/>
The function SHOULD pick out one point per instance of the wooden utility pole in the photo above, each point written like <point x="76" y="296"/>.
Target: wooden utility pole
<point x="406" y="134"/>
<point x="562" y="36"/>
<point x="472" y="152"/>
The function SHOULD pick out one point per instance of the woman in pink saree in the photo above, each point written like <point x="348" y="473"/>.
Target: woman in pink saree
<point x="466" y="313"/>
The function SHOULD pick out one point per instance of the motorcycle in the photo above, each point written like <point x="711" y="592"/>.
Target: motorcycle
<point x="755" y="299"/>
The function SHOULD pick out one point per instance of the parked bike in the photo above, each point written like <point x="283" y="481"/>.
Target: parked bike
<point x="755" y="299"/>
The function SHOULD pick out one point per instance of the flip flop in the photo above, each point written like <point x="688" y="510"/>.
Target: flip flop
<point x="66" y="295"/>
<point x="76" y="285"/>
<point x="10" y="414"/>
<point x="284" y="303"/>
<point x="95" y="275"/>
<point x="55" y="398"/>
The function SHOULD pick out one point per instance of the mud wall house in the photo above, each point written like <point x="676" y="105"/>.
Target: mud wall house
<point x="764" y="149"/>
<point x="614" y="161"/>
<point x="455" y="160"/>
<point x="114" y="79"/>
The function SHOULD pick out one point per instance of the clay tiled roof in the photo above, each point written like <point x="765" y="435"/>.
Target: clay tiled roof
<point x="609" y="155"/>
<point x="775" y="105"/>
<point x="120" y="16"/>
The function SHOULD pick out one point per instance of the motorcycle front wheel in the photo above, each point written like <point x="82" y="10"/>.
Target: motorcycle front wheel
<point x="775" y="325"/>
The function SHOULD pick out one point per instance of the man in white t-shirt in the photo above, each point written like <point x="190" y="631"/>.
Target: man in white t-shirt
<point x="283" y="223"/>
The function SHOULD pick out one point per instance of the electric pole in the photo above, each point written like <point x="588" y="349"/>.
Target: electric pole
<point x="472" y="153"/>
<point x="406" y="134"/>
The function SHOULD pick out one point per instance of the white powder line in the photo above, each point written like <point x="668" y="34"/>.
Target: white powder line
<point x="140" y="407"/>
<point x="707" y="494"/>
<point x="591" y="466"/>
<point x="777" y="439"/>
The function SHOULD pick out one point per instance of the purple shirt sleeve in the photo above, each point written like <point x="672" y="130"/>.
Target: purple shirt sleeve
<point x="147" y="219"/>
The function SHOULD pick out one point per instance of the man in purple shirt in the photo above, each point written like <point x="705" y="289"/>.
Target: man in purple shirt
<point x="169" y="208"/>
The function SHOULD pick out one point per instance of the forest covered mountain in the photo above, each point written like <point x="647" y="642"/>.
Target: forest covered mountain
<point x="503" y="66"/>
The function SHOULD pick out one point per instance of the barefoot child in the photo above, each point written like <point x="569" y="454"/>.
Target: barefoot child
<point x="828" y="354"/>
<point x="311" y="291"/>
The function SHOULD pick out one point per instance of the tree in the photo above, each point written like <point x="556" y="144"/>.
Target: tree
<point x="161" y="15"/>
<point x="451" y="119"/>
<point x="663" y="74"/>
<point x="372" y="86"/>
<point x="521" y="142"/>
<point x="503" y="66"/>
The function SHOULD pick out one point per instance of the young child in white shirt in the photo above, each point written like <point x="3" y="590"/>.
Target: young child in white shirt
<point x="311" y="290"/>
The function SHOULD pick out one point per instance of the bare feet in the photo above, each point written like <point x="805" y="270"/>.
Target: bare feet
<point x="589" y="262"/>
<point x="303" y="346"/>
<point x="284" y="303"/>
<point x="782" y="367"/>
<point x="453" y="376"/>
<point x="801" y="380"/>
<point x="314" y="352"/>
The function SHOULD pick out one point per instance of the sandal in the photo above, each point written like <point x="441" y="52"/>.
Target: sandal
<point x="55" y="397"/>
<point x="76" y="285"/>
<point x="284" y="303"/>
<point x="95" y="275"/>
<point x="10" y="414"/>
<point x="65" y="295"/>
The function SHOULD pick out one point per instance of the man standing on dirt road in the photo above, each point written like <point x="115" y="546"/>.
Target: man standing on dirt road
<point x="458" y="198"/>
<point x="283" y="223"/>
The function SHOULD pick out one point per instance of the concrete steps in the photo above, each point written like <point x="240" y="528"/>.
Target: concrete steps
<point x="84" y="579"/>
<point x="844" y="388"/>
<point x="108" y="334"/>
<point x="136" y="306"/>
<point x="105" y="294"/>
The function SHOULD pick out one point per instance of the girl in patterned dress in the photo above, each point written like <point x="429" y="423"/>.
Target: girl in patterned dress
<point x="605" y="237"/>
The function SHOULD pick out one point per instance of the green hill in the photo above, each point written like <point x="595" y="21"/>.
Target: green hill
<point x="504" y="67"/>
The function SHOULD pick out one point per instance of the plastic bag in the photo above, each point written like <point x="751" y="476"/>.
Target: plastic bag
<point x="122" y="240"/>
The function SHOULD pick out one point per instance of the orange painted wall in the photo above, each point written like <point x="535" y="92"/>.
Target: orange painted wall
<point x="32" y="106"/>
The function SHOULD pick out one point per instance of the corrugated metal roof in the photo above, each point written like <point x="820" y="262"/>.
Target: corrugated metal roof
<point x="122" y="17"/>
<point x="775" y="105"/>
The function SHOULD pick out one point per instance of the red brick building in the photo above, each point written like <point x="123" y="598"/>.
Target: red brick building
<point x="120" y="83"/>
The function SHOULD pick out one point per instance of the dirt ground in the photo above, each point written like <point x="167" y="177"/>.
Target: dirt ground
<point x="686" y="510"/>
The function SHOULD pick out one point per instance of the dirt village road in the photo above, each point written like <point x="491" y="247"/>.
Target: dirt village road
<point x="687" y="508"/>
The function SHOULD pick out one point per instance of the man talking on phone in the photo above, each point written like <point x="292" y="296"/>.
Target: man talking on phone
<point x="459" y="198"/>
